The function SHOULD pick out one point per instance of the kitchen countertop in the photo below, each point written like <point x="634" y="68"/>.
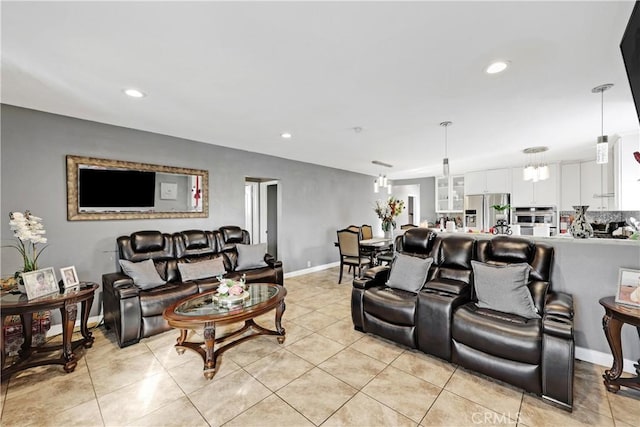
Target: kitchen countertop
<point x="559" y="238"/>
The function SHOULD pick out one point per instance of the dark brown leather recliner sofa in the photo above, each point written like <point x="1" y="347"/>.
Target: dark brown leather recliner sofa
<point x="135" y="313"/>
<point x="444" y="320"/>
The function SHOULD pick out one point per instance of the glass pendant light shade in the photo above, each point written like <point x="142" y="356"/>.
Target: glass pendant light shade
<point x="602" y="150"/>
<point x="543" y="172"/>
<point x="528" y="172"/>
<point x="445" y="166"/>
<point x="376" y="186"/>
<point x="602" y="147"/>
<point x="445" y="159"/>
<point x="389" y="187"/>
<point x="536" y="168"/>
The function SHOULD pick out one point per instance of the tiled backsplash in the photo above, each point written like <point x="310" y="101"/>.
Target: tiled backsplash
<point x="603" y="217"/>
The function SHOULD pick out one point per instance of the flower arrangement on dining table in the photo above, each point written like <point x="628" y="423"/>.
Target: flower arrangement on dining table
<point x="388" y="211"/>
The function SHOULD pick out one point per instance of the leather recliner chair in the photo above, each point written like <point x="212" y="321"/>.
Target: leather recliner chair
<point x="537" y="354"/>
<point x="384" y="311"/>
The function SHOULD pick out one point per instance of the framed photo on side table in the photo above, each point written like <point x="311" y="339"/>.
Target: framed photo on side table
<point x="69" y="276"/>
<point x="40" y="282"/>
<point x="628" y="287"/>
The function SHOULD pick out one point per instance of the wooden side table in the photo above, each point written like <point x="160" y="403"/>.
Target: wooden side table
<point x="66" y="301"/>
<point x="615" y="316"/>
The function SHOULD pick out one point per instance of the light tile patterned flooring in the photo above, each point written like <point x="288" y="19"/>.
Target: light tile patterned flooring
<point x="324" y="374"/>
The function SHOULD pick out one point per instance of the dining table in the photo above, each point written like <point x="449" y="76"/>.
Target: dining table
<point x="374" y="246"/>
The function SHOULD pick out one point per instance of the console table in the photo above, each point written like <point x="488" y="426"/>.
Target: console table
<point x="66" y="301"/>
<point x="615" y="316"/>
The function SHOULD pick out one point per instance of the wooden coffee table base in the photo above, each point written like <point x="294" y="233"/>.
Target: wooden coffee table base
<point x="211" y="348"/>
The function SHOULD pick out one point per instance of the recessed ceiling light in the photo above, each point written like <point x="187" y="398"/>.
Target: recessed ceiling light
<point x="497" y="67"/>
<point x="134" y="93"/>
<point x="286" y="135"/>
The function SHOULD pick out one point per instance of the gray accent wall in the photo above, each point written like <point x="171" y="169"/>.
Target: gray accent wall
<point x="315" y="201"/>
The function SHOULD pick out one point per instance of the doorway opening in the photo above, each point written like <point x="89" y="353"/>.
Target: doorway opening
<point x="410" y="211"/>
<point x="262" y="211"/>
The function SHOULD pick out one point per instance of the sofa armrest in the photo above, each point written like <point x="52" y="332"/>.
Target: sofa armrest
<point x="559" y="304"/>
<point x="449" y="286"/>
<point x="115" y="280"/>
<point x="557" y="318"/>
<point x="271" y="261"/>
<point x="375" y="276"/>
<point x="121" y="305"/>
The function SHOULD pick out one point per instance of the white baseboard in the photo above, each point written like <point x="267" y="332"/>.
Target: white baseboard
<point x="603" y="359"/>
<point x="311" y="269"/>
<point x="57" y="329"/>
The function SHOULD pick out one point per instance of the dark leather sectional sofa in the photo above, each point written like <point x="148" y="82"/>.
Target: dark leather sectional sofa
<point x="444" y="320"/>
<point x="135" y="313"/>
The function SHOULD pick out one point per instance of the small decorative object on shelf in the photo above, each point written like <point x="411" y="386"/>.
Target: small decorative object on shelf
<point x="580" y="227"/>
<point x="231" y="291"/>
<point x="502" y="224"/>
<point x="29" y="232"/>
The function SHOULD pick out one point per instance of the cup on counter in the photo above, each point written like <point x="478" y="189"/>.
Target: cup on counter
<point x="542" y="230"/>
<point x="451" y="226"/>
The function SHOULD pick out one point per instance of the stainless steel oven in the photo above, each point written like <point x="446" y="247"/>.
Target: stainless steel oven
<point x="530" y="217"/>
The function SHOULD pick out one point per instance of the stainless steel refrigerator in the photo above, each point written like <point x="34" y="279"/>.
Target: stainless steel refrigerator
<point x="478" y="214"/>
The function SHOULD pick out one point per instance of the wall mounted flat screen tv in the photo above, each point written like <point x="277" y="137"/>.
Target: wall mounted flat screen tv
<point x="630" y="48"/>
<point x="115" y="190"/>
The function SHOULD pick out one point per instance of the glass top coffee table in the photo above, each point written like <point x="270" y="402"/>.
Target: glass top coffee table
<point x="205" y="311"/>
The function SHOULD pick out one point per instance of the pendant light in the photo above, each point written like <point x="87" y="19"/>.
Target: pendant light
<point x="602" y="146"/>
<point x="536" y="168"/>
<point x="382" y="181"/>
<point x="445" y="160"/>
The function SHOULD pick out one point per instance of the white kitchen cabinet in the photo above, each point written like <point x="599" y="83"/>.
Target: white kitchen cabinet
<point x="529" y="193"/>
<point x="569" y="186"/>
<point x="627" y="173"/>
<point x="489" y="181"/>
<point x="596" y="186"/>
<point x="450" y="193"/>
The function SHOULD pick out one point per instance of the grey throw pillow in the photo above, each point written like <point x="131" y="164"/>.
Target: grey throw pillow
<point x="409" y="272"/>
<point x="201" y="269"/>
<point x="504" y="288"/>
<point x="143" y="273"/>
<point x="251" y="256"/>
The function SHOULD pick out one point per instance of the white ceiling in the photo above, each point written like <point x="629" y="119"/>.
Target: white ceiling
<point x="238" y="74"/>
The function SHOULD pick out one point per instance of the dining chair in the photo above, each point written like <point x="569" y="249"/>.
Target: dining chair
<point x="349" y="245"/>
<point x="366" y="231"/>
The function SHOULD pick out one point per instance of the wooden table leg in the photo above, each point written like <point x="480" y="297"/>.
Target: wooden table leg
<point x="2" y="338"/>
<point x="86" y="334"/>
<point x="27" y="321"/>
<point x="612" y="327"/>
<point x="210" y="356"/>
<point x="69" y="313"/>
<point x="279" y="312"/>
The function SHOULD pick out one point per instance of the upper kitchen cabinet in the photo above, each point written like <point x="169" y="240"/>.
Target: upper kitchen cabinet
<point x="627" y="176"/>
<point x="490" y="181"/>
<point x="529" y="193"/>
<point x="450" y="193"/>
<point x="596" y="186"/>
<point x="569" y="186"/>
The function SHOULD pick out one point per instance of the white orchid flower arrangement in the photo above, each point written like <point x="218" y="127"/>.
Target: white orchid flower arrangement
<point x="29" y="232"/>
